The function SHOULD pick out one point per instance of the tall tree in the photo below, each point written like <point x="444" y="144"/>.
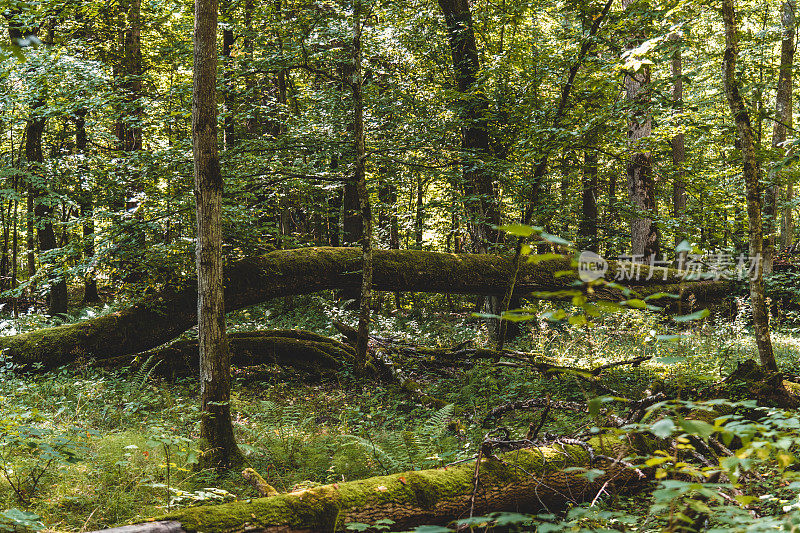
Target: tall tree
<point x="678" y="142"/>
<point x="365" y="209"/>
<point x="215" y="378"/>
<point x="752" y="172"/>
<point x="86" y="204"/>
<point x="783" y="122"/>
<point x="478" y="180"/>
<point x="641" y="190"/>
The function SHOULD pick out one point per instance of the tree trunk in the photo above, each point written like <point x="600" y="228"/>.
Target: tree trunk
<point x="87" y="213"/>
<point x="587" y="228"/>
<point x="547" y="479"/>
<point x="419" y="214"/>
<point x="30" y="236"/>
<point x="228" y="91"/>
<point x="352" y="225"/>
<point x="753" y="189"/>
<point x="678" y="146"/>
<point x="215" y="378"/>
<point x="365" y="209"/>
<point x="43" y="210"/>
<point x="164" y="315"/>
<point x="128" y="126"/>
<point x="641" y="190"/>
<point x="481" y="196"/>
<point x="783" y="123"/>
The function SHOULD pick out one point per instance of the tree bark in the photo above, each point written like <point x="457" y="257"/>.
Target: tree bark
<point x="43" y="210"/>
<point x="587" y="227"/>
<point x="641" y="191"/>
<point x="752" y="172"/>
<point x="783" y="123"/>
<point x="530" y="480"/>
<point x="365" y="209"/>
<point x="229" y="87"/>
<point x="164" y="315"/>
<point x="85" y="202"/>
<point x="215" y="379"/>
<point x="678" y="145"/>
<point x="479" y="187"/>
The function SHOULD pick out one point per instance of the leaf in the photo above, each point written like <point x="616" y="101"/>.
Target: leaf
<point x="518" y="230"/>
<point x="693" y="316"/>
<point x="555" y="239"/>
<point x="696" y="427"/>
<point x="635" y="303"/>
<point x="663" y="428"/>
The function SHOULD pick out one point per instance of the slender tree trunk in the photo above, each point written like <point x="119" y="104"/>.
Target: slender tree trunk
<point x="387" y="195"/>
<point x="87" y="211"/>
<point x="783" y="122"/>
<point x="419" y="214"/>
<point x="30" y="236"/>
<point x="251" y="125"/>
<point x="352" y="225"/>
<point x="787" y="224"/>
<point x="678" y="146"/>
<point x="128" y="126"/>
<point x="215" y="378"/>
<point x="363" y="196"/>
<point x="641" y="190"/>
<point x="42" y="210"/>
<point x="587" y="228"/>
<point x="228" y="94"/>
<point x="753" y="189"/>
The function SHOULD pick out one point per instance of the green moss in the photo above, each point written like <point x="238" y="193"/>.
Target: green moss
<point x="329" y="507"/>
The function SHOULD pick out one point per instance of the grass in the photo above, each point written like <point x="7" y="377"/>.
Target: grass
<point x="295" y="433"/>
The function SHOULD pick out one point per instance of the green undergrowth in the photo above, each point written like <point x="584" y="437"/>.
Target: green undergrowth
<point x="103" y="440"/>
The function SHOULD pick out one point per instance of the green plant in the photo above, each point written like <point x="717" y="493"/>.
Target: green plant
<point x="422" y="447"/>
<point x="29" y="450"/>
<point x="16" y="521"/>
<point x="173" y="447"/>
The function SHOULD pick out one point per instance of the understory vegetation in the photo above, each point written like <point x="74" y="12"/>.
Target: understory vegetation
<point x="82" y="448"/>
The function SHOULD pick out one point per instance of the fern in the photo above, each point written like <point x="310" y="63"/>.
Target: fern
<point x="408" y="450"/>
<point x="386" y="460"/>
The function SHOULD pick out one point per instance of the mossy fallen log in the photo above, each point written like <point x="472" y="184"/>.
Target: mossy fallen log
<point x="298" y="349"/>
<point x="163" y="316"/>
<point x="526" y="480"/>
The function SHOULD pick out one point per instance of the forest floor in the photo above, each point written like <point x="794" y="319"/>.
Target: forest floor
<point x="109" y="447"/>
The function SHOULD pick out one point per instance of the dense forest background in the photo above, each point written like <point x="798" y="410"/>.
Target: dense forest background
<point x="419" y="180"/>
<point x="96" y="125"/>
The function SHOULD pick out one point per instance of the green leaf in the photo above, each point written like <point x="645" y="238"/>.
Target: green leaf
<point x="696" y="427"/>
<point x="555" y="239"/>
<point x="663" y="428"/>
<point x="519" y="230"/>
<point x="693" y="316"/>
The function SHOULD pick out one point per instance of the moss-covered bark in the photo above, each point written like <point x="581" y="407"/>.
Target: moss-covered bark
<point x="527" y="480"/>
<point x="161" y="317"/>
<point x="290" y="348"/>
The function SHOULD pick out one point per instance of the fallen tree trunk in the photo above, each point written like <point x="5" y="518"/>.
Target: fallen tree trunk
<point x="287" y="348"/>
<point x="526" y="480"/>
<point x="163" y="316"/>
